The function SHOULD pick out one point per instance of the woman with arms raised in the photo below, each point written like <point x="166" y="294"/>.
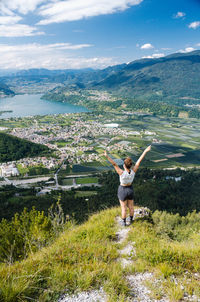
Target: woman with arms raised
<point x="125" y="189"/>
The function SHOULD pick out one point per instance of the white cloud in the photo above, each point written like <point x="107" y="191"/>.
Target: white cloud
<point x="187" y="49"/>
<point x="9" y="22"/>
<point x="166" y="48"/>
<point x="194" y="24"/>
<point x="65" y="46"/>
<point x="154" y="56"/>
<point x="18" y="30"/>
<point x="51" y="56"/>
<point x="72" y="10"/>
<point x="4" y="20"/>
<point x="147" y="46"/>
<point x="37" y="48"/>
<point x="22" y="6"/>
<point x="180" y="15"/>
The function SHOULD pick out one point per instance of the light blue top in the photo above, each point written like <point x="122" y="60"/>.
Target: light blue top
<point x="126" y="178"/>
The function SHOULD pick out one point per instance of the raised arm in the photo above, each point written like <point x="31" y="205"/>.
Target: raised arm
<point x="141" y="158"/>
<point x="117" y="168"/>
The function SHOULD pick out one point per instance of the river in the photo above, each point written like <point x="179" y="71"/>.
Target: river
<point x="32" y="104"/>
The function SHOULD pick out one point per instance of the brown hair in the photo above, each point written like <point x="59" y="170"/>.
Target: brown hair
<point x="128" y="162"/>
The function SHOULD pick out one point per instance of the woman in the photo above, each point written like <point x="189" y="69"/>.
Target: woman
<point x="125" y="189"/>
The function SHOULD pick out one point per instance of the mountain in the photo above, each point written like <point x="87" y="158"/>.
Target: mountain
<point x="48" y="72"/>
<point x="5" y="90"/>
<point x="176" y="75"/>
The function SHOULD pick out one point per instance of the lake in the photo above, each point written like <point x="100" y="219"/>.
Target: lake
<point x="31" y="104"/>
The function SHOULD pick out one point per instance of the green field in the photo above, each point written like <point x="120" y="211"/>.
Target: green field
<point x="66" y="182"/>
<point x="87" y="180"/>
<point x="85" y="193"/>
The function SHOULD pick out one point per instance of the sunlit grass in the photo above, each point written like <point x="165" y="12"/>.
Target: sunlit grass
<point x="80" y="259"/>
<point x="86" y="257"/>
<point x="168" y="259"/>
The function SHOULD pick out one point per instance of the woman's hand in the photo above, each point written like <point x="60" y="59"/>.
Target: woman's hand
<point x="148" y="149"/>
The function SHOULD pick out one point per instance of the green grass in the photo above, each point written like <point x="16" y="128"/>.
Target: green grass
<point x="67" y="182"/>
<point x="61" y="144"/>
<point x="80" y="259"/>
<point x="22" y="170"/>
<point x="168" y="258"/>
<point x="87" y="180"/>
<point x="85" y="257"/>
<point x="85" y="193"/>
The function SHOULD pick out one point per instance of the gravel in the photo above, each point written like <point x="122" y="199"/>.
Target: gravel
<point x="89" y="296"/>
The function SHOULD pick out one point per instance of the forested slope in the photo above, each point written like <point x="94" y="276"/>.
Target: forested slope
<point x="172" y="76"/>
<point x="13" y="148"/>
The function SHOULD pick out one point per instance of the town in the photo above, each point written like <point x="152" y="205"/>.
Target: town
<point x="79" y="142"/>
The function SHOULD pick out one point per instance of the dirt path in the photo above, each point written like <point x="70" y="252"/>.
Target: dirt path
<point x="138" y="290"/>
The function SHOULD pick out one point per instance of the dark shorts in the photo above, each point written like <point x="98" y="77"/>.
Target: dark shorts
<point x="125" y="192"/>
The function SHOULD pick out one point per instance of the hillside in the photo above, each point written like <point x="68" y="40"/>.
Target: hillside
<point x="13" y="148"/>
<point x="167" y="86"/>
<point x="5" y="90"/>
<point x="173" y="76"/>
<point x="155" y="258"/>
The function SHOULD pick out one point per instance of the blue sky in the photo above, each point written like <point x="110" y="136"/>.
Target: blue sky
<point x="62" y="34"/>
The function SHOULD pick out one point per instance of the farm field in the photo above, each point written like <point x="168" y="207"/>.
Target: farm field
<point x="87" y="180"/>
<point x="85" y="193"/>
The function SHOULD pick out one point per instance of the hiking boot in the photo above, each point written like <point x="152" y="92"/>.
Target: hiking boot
<point x="123" y="223"/>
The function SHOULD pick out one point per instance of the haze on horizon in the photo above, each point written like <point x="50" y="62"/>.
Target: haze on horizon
<point x="71" y="34"/>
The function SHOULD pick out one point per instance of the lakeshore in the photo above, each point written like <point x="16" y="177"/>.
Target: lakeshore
<point x="32" y="105"/>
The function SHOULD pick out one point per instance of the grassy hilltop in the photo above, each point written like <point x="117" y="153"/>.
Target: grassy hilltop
<point x="85" y="257"/>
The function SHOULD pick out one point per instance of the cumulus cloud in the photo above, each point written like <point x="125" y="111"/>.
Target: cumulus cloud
<point x="9" y="21"/>
<point x="21" y="6"/>
<point x="194" y="24"/>
<point x="51" y="56"/>
<point x="147" y="46"/>
<point x="154" y="56"/>
<point x="18" y="30"/>
<point x="179" y="15"/>
<point x="187" y="49"/>
<point x="72" y="10"/>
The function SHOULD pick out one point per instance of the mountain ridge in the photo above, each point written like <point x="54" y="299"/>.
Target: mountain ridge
<point x="172" y="77"/>
<point x="175" y="75"/>
<point x="89" y="257"/>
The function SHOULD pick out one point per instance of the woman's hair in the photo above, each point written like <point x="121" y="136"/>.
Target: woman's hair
<point x="128" y="162"/>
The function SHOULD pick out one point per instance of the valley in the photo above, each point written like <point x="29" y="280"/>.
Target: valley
<point x="77" y="143"/>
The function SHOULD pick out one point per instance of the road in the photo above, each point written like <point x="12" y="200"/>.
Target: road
<point x="25" y="181"/>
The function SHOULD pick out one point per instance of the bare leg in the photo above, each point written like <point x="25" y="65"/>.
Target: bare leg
<point x="131" y="207"/>
<point x="123" y="208"/>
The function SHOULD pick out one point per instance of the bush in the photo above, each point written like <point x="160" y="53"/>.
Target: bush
<point x="30" y="231"/>
<point x="176" y="227"/>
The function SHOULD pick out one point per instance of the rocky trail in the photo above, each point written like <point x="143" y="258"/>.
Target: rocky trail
<point x="139" y="292"/>
<point x="136" y="281"/>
